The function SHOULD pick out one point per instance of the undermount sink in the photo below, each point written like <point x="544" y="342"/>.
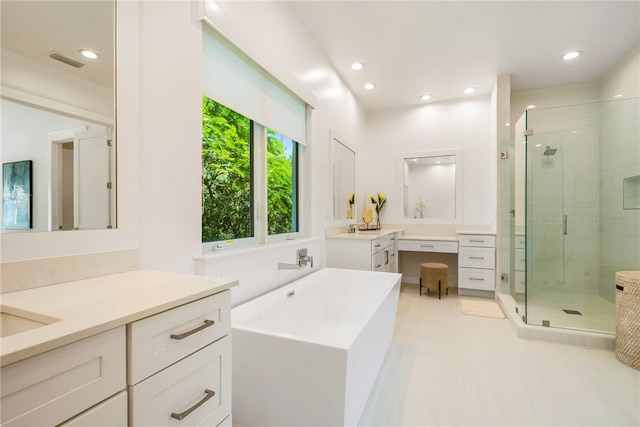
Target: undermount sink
<point x="14" y="320"/>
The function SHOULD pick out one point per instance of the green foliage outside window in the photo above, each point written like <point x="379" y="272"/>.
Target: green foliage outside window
<point x="281" y="179"/>
<point x="227" y="191"/>
<point x="226" y="173"/>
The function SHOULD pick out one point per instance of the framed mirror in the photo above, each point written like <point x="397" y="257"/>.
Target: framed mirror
<point x="343" y="160"/>
<point x="57" y="109"/>
<point x="431" y="186"/>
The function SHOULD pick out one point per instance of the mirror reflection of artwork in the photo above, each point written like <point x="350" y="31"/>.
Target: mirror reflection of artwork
<point x="16" y="194"/>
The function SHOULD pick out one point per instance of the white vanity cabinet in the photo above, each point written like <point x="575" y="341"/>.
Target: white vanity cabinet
<point x="180" y="365"/>
<point x="364" y="251"/>
<point x="131" y="349"/>
<point x="476" y="263"/>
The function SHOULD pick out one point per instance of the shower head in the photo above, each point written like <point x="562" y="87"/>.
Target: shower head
<point x="550" y="151"/>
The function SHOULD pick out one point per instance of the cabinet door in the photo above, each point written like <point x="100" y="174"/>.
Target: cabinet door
<point x="52" y="387"/>
<point x="196" y="389"/>
<point x="378" y="261"/>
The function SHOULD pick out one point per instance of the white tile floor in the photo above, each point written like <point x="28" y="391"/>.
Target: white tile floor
<point x="445" y="368"/>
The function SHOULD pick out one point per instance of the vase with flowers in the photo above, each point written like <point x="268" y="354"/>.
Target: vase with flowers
<point x="350" y="210"/>
<point x="378" y="202"/>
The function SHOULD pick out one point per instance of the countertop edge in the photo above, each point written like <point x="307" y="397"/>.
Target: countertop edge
<point x="14" y="349"/>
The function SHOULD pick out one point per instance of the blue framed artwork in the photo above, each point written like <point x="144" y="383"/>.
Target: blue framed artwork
<point x="17" y="194"/>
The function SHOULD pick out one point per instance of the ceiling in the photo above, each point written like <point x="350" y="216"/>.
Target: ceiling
<point x="441" y="47"/>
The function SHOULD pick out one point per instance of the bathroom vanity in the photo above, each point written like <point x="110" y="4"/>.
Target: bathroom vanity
<point x="369" y="250"/>
<point x="135" y="348"/>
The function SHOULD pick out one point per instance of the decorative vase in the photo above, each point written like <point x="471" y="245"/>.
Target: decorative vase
<point x="377" y="221"/>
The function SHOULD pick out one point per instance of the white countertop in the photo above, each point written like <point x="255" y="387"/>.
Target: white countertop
<point x="90" y="306"/>
<point x="365" y="235"/>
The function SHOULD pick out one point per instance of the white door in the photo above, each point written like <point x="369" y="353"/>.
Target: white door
<point x="92" y="180"/>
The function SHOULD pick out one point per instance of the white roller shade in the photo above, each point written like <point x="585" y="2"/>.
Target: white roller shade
<point x="231" y="78"/>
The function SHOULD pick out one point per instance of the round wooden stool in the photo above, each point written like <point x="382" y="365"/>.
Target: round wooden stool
<point x="434" y="276"/>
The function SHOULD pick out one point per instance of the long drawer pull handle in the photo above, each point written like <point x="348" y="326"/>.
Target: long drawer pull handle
<point x="426" y="246"/>
<point x="183" y="335"/>
<point x="185" y="414"/>
<point x="476" y="279"/>
<point x="377" y="246"/>
<point x="476" y="257"/>
<point x="476" y="241"/>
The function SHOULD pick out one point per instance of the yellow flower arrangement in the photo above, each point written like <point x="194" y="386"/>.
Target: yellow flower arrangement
<point x="379" y="201"/>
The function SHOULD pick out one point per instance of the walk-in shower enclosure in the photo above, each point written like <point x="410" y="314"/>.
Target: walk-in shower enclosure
<point x="577" y="212"/>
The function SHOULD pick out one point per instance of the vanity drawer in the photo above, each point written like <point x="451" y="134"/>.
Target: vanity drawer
<point x="477" y="257"/>
<point x="477" y="240"/>
<point x="520" y="259"/>
<point x="472" y="278"/>
<point x="158" y="341"/>
<point x="443" y="246"/>
<point x="52" y="387"/>
<point x="186" y="385"/>
<point x="380" y="243"/>
<point x="110" y="413"/>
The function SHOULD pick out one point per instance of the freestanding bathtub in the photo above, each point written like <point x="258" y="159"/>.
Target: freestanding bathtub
<point x="309" y="353"/>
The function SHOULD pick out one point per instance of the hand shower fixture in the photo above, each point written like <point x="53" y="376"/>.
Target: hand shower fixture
<point x="550" y="151"/>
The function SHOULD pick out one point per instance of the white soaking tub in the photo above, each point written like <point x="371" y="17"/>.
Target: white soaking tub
<point x="309" y="353"/>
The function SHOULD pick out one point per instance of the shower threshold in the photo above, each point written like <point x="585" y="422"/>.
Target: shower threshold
<point x="567" y="336"/>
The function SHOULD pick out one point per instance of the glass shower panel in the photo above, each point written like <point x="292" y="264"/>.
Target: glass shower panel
<point x="562" y="216"/>
<point x="517" y="284"/>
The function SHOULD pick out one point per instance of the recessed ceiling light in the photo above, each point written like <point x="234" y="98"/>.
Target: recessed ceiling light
<point x="619" y="95"/>
<point x="357" y="66"/>
<point x="507" y="124"/>
<point x="88" y="54"/>
<point x="369" y="86"/>
<point x="469" y="90"/>
<point x="571" y="55"/>
<point x="531" y="107"/>
<point x="425" y="97"/>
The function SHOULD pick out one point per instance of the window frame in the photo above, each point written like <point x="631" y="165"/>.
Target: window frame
<point x="259" y="211"/>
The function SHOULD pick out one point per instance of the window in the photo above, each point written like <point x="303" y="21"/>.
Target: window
<point x="282" y="179"/>
<point x="227" y="190"/>
<point x="234" y="151"/>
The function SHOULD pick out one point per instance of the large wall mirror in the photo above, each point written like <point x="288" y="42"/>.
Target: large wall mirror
<point x="343" y="160"/>
<point x="57" y="109"/>
<point x="431" y="186"/>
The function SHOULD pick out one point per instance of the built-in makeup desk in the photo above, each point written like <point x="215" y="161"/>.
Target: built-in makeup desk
<point x="469" y="255"/>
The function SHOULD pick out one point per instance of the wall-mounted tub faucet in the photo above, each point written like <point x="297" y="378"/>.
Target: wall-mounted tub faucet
<point x="303" y="260"/>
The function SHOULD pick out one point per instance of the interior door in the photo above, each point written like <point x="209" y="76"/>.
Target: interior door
<point x="92" y="180"/>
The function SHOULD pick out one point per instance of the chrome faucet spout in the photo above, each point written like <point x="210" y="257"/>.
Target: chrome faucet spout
<point x="303" y="261"/>
<point x="287" y="266"/>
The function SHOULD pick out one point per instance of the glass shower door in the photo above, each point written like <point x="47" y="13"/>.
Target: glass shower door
<point x="562" y="214"/>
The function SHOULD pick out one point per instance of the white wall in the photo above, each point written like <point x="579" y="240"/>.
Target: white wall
<point x="463" y="124"/>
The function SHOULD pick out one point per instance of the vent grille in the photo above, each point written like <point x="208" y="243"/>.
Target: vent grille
<point x="60" y="57"/>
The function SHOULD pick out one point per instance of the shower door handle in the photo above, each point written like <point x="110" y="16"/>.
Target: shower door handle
<point x="564" y="224"/>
